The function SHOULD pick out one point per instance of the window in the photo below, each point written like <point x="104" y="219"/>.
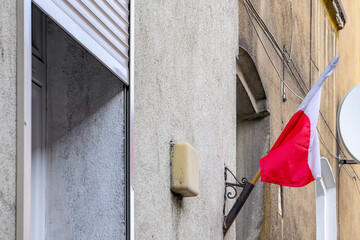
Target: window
<point x="252" y="139"/>
<point x="80" y="139"/>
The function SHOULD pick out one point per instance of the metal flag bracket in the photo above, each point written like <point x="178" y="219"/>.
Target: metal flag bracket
<point x="232" y="194"/>
<point x="246" y="186"/>
<point x="345" y="161"/>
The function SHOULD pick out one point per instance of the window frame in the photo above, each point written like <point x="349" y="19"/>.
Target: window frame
<point x="326" y="224"/>
<point x="23" y="116"/>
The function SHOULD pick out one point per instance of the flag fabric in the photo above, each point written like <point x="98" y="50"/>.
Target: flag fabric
<point x="294" y="160"/>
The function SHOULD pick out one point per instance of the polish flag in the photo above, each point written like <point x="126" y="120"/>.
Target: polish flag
<point x="294" y="160"/>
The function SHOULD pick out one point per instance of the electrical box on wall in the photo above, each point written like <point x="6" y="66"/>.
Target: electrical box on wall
<point x="184" y="169"/>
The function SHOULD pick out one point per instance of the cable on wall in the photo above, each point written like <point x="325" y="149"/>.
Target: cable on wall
<point x="252" y="13"/>
<point x="289" y="63"/>
<point x="267" y="53"/>
<point x="292" y="30"/>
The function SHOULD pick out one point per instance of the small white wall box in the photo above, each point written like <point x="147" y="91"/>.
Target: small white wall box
<point x="184" y="170"/>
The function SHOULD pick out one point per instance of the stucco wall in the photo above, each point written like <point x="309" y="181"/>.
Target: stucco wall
<point x="277" y="16"/>
<point x="8" y="118"/>
<point x="185" y="87"/>
<point x="185" y="91"/>
<point x="348" y="75"/>
<point x="252" y="144"/>
<point x="85" y="177"/>
<point x="314" y="45"/>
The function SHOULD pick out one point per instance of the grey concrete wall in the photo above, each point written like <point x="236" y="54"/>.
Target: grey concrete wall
<point x="8" y="118"/>
<point x="185" y="90"/>
<point x="252" y="143"/>
<point x="85" y="188"/>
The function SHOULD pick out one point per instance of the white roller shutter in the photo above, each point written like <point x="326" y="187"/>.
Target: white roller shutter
<point x="101" y="26"/>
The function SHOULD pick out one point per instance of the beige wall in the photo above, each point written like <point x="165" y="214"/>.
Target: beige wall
<point x="313" y="39"/>
<point x="348" y="75"/>
<point x="277" y="15"/>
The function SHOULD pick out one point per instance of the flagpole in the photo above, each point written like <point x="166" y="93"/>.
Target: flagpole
<point x="240" y="201"/>
<point x="256" y="178"/>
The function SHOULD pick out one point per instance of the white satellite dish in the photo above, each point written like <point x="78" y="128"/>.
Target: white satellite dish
<point x="348" y="122"/>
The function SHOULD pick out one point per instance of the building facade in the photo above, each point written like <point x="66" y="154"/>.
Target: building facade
<point x="94" y="93"/>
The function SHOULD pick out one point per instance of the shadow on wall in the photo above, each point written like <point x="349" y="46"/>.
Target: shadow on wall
<point x="78" y="84"/>
<point x="252" y="143"/>
<point x="85" y="158"/>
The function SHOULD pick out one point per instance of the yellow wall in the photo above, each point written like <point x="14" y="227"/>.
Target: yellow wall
<point x="315" y="43"/>
<point x="347" y="76"/>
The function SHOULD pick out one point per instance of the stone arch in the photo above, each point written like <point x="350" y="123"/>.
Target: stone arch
<point x="251" y="98"/>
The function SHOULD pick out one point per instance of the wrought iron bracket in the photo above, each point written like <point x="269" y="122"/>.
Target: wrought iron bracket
<point x="232" y="194"/>
<point x="234" y="211"/>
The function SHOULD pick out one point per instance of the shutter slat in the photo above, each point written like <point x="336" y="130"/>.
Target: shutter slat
<point x="90" y="17"/>
<point x="123" y="11"/>
<point x="113" y="15"/>
<point x="124" y="4"/>
<point x="105" y="21"/>
<point x="83" y="22"/>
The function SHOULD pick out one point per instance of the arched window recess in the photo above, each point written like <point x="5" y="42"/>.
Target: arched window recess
<point x="251" y="98"/>
<point x="252" y="143"/>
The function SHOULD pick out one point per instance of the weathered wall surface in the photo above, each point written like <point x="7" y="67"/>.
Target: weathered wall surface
<point x="314" y="45"/>
<point x="277" y="16"/>
<point x="174" y="73"/>
<point x="8" y="118"/>
<point x="253" y="142"/>
<point x="348" y="75"/>
<point x="185" y="90"/>
<point x="85" y="177"/>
